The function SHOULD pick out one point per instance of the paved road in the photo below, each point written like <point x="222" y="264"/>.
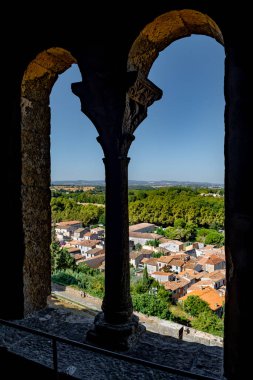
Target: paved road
<point x="73" y="295"/>
<point x="92" y="304"/>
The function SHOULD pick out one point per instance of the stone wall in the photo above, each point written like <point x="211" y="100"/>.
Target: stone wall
<point x="179" y="331"/>
<point x="37" y="83"/>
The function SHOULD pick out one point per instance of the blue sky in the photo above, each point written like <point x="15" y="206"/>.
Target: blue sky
<point x="182" y="139"/>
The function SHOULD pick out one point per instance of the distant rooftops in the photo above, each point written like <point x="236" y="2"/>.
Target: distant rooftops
<point x="141" y="226"/>
<point x="145" y="235"/>
<point x="68" y="223"/>
<point x="210" y="295"/>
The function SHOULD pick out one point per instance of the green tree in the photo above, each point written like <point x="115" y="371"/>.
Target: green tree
<point x="195" y="305"/>
<point x="156" y="255"/>
<point x="166" y="206"/>
<point x="209" y="322"/>
<point x="202" y="234"/>
<point x="179" y="223"/>
<point x="153" y="243"/>
<point x="150" y="304"/>
<point x="102" y="219"/>
<point x="60" y="258"/>
<point x="138" y="247"/>
<point x="145" y="277"/>
<point x="182" y="234"/>
<point x="160" y="231"/>
<point x="215" y="238"/>
<point x="64" y="278"/>
<point x="85" y="269"/>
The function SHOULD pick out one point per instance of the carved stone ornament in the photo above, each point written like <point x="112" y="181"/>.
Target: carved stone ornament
<point x="144" y="91"/>
<point x="139" y="96"/>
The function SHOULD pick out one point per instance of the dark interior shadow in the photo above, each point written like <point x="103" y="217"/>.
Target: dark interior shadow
<point x="69" y="321"/>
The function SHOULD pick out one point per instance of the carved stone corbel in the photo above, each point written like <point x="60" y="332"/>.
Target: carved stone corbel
<point x="139" y="97"/>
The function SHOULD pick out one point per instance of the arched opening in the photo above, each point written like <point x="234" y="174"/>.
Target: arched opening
<point x="166" y="29"/>
<point x="154" y="38"/>
<point x="77" y="194"/>
<point x="75" y="153"/>
<point x="37" y="84"/>
<point x="185" y="127"/>
<point x="104" y="62"/>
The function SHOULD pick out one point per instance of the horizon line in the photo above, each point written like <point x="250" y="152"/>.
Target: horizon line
<point x="138" y="180"/>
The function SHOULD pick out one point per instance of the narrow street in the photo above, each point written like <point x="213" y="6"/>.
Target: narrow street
<point x="91" y="304"/>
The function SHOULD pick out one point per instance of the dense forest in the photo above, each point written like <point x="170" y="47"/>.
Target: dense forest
<point x="165" y="205"/>
<point x="182" y="213"/>
<point x="96" y="195"/>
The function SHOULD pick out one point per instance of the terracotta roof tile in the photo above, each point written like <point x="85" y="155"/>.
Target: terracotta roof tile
<point x="209" y="295"/>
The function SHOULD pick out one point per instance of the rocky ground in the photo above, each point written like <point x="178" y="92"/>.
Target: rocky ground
<point x="72" y="321"/>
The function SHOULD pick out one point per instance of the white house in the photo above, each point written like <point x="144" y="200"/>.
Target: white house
<point x="142" y="227"/>
<point x="94" y="252"/>
<point x="218" y="278"/>
<point x="176" y="265"/>
<point x="90" y="236"/>
<point x="162" y="276"/>
<point x="151" y="265"/>
<point x="87" y="245"/>
<point x="79" y="233"/>
<point x="172" y="245"/>
<point x="215" y="262"/>
<point x="142" y="238"/>
<point x="99" y="231"/>
<point x="137" y="256"/>
<point x="66" y="229"/>
<point x="178" y="288"/>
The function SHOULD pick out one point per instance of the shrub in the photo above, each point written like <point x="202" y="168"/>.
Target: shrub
<point x="195" y="305"/>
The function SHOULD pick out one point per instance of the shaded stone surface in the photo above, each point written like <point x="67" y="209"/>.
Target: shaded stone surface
<point x="36" y="269"/>
<point x="191" y="357"/>
<point x="37" y="82"/>
<point x="118" y="336"/>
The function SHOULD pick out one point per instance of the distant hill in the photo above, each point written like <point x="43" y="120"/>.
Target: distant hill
<point x="137" y="183"/>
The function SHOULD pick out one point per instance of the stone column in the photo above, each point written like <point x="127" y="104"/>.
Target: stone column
<point x="238" y="211"/>
<point x="116" y="326"/>
<point x="117" y="304"/>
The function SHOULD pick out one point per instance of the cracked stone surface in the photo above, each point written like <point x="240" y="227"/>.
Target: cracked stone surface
<point x="84" y="364"/>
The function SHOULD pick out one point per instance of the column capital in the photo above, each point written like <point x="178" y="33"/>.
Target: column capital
<point x="139" y="97"/>
<point x="143" y="91"/>
<point x="116" y="145"/>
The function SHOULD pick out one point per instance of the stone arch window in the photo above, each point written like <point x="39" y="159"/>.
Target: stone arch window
<point x="104" y="91"/>
<point x="155" y="37"/>
<point x="37" y="84"/>
<point x="164" y="30"/>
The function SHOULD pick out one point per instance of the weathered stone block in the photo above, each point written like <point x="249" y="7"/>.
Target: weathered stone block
<point x="35" y="116"/>
<point x="35" y="159"/>
<point x="115" y="336"/>
<point x="37" y="238"/>
<point x="37" y="83"/>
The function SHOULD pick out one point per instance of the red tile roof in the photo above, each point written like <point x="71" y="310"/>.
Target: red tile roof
<point x="88" y="243"/>
<point x="140" y="226"/>
<point x="174" y="285"/>
<point x="68" y="223"/>
<point x="209" y="295"/>
<point x="214" y="260"/>
<point x="94" y="262"/>
<point x="144" y="235"/>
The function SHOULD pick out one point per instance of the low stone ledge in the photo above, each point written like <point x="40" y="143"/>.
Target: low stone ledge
<point x="192" y="335"/>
